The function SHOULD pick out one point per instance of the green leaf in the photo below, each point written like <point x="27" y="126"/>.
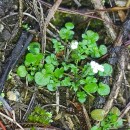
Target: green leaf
<point x="59" y="72"/>
<point x="94" y="128"/>
<point x="118" y="123"/>
<point x="51" y="87"/>
<point x="66" y="67"/>
<point x="34" y="47"/>
<point x="113" y="118"/>
<point x="103" y="89"/>
<point x="66" y="34"/>
<point x="91" y="88"/>
<point x="69" y="25"/>
<point x="49" y="68"/>
<point x="30" y="77"/>
<point x="21" y="71"/>
<point x="26" y="63"/>
<point x="74" y="69"/>
<point x="30" y="58"/>
<point x="40" y="65"/>
<point x="66" y="82"/>
<point x="82" y="81"/>
<point x="39" y="57"/>
<point x="90" y="80"/>
<point x="74" y="86"/>
<point x="98" y="114"/>
<point x="92" y="35"/>
<point x="107" y="70"/>
<point x="102" y="49"/>
<point x="51" y="59"/>
<point x="57" y="46"/>
<point x="87" y="70"/>
<point x="115" y="111"/>
<point x="81" y="96"/>
<point x="41" y="79"/>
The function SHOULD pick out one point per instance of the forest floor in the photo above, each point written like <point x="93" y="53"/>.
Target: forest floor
<point x="64" y="64"/>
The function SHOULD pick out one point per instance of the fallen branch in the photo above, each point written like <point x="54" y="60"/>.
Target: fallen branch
<point x="122" y="63"/>
<point x="86" y="117"/>
<point x="52" y="11"/>
<point x="17" y="52"/>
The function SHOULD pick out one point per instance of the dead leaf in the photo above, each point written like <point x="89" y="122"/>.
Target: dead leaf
<point x="122" y="15"/>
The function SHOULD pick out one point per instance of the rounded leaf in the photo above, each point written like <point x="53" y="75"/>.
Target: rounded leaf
<point x="95" y="128"/>
<point x="49" y="68"/>
<point x="51" y="87"/>
<point x="81" y="96"/>
<point x="30" y="58"/>
<point x="92" y="35"/>
<point x="103" y="89"/>
<point x="30" y="77"/>
<point x="39" y="57"/>
<point x="91" y="88"/>
<point x="59" y="72"/>
<point x="41" y="79"/>
<point x="102" y="49"/>
<point x="98" y="114"/>
<point x="69" y="25"/>
<point x="115" y="111"/>
<point x="21" y="71"/>
<point x="107" y="70"/>
<point x="34" y="47"/>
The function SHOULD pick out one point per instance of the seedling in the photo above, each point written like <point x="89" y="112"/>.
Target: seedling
<point x="40" y="115"/>
<point x="32" y="63"/>
<point x="110" y="122"/>
<point x="70" y="69"/>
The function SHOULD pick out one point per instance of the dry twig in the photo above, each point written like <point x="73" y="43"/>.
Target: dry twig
<point x="20" y="12"/>
<point x="52" y="11"/>
<point x="10" y="119"/>
<point x="104" y="16"/>
<point x="86" y="117"/>
<point x="125" y="110"/>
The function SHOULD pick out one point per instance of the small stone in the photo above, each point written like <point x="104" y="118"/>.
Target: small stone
<point x="13" y="95"/>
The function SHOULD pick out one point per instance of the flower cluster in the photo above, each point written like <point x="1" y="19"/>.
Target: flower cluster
<point x="96" y="67"/>
<point x="74" y="44"/>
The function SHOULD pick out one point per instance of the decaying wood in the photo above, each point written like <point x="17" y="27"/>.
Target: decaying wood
<point x="122" y="63"/>
<point x="104" y="16"/>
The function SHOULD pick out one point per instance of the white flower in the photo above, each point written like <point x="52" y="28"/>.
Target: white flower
<point x="101" y="68"/>
<point x="96" y="67"/>
<point x="74" y="44"/>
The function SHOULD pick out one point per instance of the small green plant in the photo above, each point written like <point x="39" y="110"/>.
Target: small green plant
<point x="32" y="63"/>
<point x="26" y="26"/>
<point x="71" y="69"/>
<point x="109" y="122"/>
<point x="40" y="115"/>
